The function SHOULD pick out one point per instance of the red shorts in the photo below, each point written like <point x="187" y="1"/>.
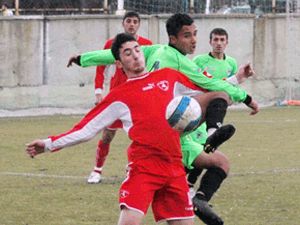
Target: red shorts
<point x="169" y="195"/>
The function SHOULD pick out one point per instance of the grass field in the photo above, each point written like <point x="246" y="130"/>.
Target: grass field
<point x="263" y="188"/>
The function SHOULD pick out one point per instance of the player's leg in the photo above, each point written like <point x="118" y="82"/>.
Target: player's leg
<point x="181" y="222"/>
<point x="130" y="217"/>
<point x="191" y="152"/>
<point x="217" y="165"/>
<point x="172" y="202"/>
<point x="199" y="136"/>
<point x="214" y="106"/>
<point x="101" y="154"/>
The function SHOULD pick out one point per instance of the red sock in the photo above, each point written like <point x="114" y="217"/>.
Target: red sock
<point x="101" y="154"/>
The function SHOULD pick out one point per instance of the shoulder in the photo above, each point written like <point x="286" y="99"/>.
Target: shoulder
<point x="143" y="41"/>
<point x="199" y="59"/>
<point x="231" y="60"/>
<point x="108" y="43"/>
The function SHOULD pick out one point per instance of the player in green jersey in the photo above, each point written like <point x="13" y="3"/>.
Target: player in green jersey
<point x="220" y="66"/>
<point x="182" y="40"/>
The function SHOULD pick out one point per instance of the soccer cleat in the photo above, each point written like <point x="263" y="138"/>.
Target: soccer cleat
<point x="221" y="135"/>
<point x="205" y="212"/>
<point x="94" y="178"/>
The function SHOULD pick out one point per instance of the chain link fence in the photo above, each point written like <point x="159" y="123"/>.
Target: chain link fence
<point x="54" y="7"/>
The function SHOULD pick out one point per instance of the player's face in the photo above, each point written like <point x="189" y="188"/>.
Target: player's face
<point x="218" y="43"/>
<point x="186" y="39"/>
<point x="132" y="59"/>
<point x="131" y="25"/>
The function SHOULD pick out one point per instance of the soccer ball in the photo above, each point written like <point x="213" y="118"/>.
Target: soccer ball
<point x="183" y="113"/>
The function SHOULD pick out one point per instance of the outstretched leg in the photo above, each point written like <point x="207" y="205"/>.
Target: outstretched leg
<point x="101" y="154"/>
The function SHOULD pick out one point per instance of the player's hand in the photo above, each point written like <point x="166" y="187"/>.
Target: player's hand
<point x="99" y="98"/>
<point x="254" y="106"/>
<point x="245" y="71"/>
<point x="35" y="147"/>
<point x="73" y="59"/>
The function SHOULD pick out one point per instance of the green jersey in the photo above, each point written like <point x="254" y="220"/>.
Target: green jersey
<point x="218" y="68"/>
<point x="161" y="56"/>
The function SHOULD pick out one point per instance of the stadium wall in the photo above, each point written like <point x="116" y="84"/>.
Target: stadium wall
<point x="34" y="51"/>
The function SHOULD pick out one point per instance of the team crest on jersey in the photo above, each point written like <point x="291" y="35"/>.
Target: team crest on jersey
<point x="123" y="193"/>
<point x="163" y="85"/>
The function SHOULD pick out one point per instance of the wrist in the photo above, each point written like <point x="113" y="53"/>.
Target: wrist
<point x="48" y="143"/>
<point x="247" y="100"/>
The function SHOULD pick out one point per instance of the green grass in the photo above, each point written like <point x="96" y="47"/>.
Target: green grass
<point x="263" y="188"/>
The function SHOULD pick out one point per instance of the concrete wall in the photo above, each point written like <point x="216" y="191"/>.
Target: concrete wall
<point x="34" y="52"/>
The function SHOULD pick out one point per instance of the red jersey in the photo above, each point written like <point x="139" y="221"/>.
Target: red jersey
<point x="117" y="75"/>
<point x="140" y="104"/>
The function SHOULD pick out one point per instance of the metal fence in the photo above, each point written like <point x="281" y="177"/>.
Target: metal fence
<point x="54" y="7"/>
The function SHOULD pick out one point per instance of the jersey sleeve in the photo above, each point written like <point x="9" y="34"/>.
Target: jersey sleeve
<point x="101" y="116"/>
<point x="95" y="58"/>
<point x="196" y="75"/>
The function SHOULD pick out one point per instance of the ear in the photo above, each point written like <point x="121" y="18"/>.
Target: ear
<point x="172" y="39"/>
<point x="119" y="64"/>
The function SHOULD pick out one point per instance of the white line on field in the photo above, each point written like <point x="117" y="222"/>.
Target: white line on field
<point x="109" y="179"/>
<point x="51" y="176"/>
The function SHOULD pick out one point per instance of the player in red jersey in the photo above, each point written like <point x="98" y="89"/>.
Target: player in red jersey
<point x="131" y="24"/>
<point x="155" y="171"/>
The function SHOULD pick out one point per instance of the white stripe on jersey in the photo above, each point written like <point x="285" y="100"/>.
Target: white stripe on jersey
<point x="117" y="110"/>
<point x="180" y="89"/>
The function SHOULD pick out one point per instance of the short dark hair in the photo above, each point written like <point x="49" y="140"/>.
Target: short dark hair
<point x="119" y="40"/>
<point x="218" y="31"/>
<point x="176" y="22"/>
<point x="131" y="14"/>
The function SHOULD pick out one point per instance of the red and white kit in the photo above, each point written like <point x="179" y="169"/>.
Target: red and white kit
<point x="156" y="173"/>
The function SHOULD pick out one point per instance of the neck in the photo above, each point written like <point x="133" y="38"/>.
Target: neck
<point x="173" y="46"/>
<point x="217" y="55"/>
<point x="135" y="74"/>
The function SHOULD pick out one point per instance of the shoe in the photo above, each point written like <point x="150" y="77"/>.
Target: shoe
<point x="94" y="178"/>
<point x="221" y="135"/>
<point x="205" y="213"/>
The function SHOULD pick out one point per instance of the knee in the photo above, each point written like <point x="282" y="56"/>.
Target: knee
<point x="222" y="161"/>
<point x="107" y="136"/>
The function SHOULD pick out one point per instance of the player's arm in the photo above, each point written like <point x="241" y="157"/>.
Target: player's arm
<point x="235" y="93"/>
<point x="94" y="58"/>
<point x="103" y="57"/>
<point x="104" y="114"/>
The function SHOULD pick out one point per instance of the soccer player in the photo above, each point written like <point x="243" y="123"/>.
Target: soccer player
<point x="182" y="40"/>
<point x="131" y="24"/>
<point x="220" y="66"/>
<point x="155" y="173"/>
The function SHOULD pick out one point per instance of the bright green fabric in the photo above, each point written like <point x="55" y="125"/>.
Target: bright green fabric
<point x="218" y="68"/>
<point x="161" y="56"/>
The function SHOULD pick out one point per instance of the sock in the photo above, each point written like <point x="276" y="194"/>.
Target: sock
<point x="210" y="183"/>
<point x="101" y="154"/>
<point x="215" y="114"/>
<point x="98" y="169"/>
<point x="193" y="176"/>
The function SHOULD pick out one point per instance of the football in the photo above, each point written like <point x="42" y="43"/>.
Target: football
<point x="183" y="113"/>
